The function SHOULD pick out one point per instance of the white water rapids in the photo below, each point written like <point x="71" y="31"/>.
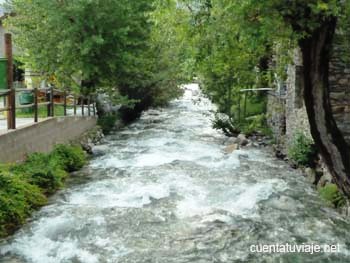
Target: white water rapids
<point x="165" y="191"/>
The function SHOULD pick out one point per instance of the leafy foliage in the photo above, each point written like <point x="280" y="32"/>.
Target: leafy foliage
<point x="302" y="150"/>
<point x="18" y="198"/>
<point x="331" y="194"/>
<point x="24" y="187"/>
<point x="105" y="46"/>
<point x="70" y="157"/>
<point x="107" y="123"/>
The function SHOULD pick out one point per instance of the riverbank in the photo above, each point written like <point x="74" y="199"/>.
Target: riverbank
<point x="26" y="186"/>
<point x="313" y="170"/>
<point x="162" y="189"/>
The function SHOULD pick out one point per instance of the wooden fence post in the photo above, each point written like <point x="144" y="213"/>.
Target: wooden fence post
<point x="75" y="105"/>
<point x="35" y="104"/>
<point x="65" y="103"/>
<point x="89" y="101"/>
<point x="11" y="97"/>
<point x="52" y="102"/>
<point x="82" y="105"/>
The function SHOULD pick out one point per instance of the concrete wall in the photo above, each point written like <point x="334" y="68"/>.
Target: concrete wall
<point x="41" y="137"/>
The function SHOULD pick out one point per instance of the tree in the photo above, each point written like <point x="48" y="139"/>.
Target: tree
<point x="105" y="44"/>
<point x="311" y="26"/>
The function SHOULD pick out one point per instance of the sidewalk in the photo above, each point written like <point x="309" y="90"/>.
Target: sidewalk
<point x="20" y="122"/>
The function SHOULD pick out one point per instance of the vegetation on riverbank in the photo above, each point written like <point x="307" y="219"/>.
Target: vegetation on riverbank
<point x="107" y="122"/>
<point x="25" y="187"/>
<point x="122" y="51"/>
<point x="302" y="150"/>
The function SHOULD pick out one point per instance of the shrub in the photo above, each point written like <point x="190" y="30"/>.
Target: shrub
<point x="107" y="123"/>
<point x="302" y="150"/>
<point x="71" y="157"/>
<point x="331" y="194"/>
<point x="225" y="124"/>
<point x="18" y="198"/>
<point x="256" y="124"/>
<point x="23" y="187"/>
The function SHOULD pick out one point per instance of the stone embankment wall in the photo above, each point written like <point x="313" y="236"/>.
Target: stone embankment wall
<point x="339" y="80"/>
<point x="42" y="136"/>
<point x="291" y="118"/>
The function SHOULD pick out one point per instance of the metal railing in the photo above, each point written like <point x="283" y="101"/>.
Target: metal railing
<point x="49" y="94"/>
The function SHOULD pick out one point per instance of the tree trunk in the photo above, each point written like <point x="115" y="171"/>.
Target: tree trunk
<point x="329" y="140"/>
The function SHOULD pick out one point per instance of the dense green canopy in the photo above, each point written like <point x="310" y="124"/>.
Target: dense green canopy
<point x="111" y="45"/>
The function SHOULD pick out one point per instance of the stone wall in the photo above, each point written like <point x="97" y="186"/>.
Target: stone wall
<point x="295" y="119"/>
<point x="292" y="117"/>
<point x="339" y="80"/>
<point x="15" y="145"/>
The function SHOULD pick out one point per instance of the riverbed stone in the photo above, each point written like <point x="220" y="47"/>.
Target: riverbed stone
<point x="242" y="140"/>
<point x="326" y="178"/>
<point x="310" y="175"/>
<point x="99" y="150"/>
<point x="231" y="148"/>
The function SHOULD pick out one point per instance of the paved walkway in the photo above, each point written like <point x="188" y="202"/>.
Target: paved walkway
<point x="20" y="122"/>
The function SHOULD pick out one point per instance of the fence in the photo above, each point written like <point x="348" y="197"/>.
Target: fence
<point x="10" y="94"/>
<point x="10" y="108"/>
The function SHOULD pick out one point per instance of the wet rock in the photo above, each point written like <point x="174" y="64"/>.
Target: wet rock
<point x="231" y="148"/>
<point x="242" y="140"/>
<point x="231" y="140"/>
<point x="99" y="150"/>
<point x="326" y="178"/>
<point x="310" y="175"/>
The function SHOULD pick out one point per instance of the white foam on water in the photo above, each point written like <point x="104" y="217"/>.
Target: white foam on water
<point x="241" y="199"/>
<point x="43" y="246"/>
<point x="114" y="193"/>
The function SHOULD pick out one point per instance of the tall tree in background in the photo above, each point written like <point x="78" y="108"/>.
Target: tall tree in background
<point x="107" y="44"/>
<point x="310" y="25"/>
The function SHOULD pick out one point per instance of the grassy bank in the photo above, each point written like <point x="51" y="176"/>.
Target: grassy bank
<point x="25" y="187"/>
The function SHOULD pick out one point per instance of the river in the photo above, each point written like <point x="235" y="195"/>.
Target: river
<point x="165" y="191"/>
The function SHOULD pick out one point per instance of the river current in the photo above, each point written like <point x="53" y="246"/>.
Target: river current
<point x="164" y="191"/>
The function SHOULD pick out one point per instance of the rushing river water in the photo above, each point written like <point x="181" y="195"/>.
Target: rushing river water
<point x="165" y="191"/>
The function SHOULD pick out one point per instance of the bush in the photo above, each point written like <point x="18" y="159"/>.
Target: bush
<point x="72" y="158"/>
<point x="44" y="171"/>
<point x="24" y="187"/>
<point x="256" y="124"/>
<point x="302" y="150"/>
<point x="107" y="123"/>
<point x="18" y="198"/>
<point x="331" y="194"/>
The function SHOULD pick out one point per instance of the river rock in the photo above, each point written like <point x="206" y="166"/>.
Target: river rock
<point x="242" y="140"/>
<point x="325" y="178"/>
<point x="231" y="148"/>
<point x="99" y="150"/>
<point x="310" y="175"/>
<point x="231" y="140"/>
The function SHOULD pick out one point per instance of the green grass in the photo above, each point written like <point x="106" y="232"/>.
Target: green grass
<point x="25" y="187"/>
<point x="254" y="106"/>
<point x="42" y="112"/>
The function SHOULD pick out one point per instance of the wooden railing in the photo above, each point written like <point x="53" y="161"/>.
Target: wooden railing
<point x="49" y="93"/>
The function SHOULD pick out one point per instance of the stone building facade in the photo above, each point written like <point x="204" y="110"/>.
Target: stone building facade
<point x="287" y="114"/>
